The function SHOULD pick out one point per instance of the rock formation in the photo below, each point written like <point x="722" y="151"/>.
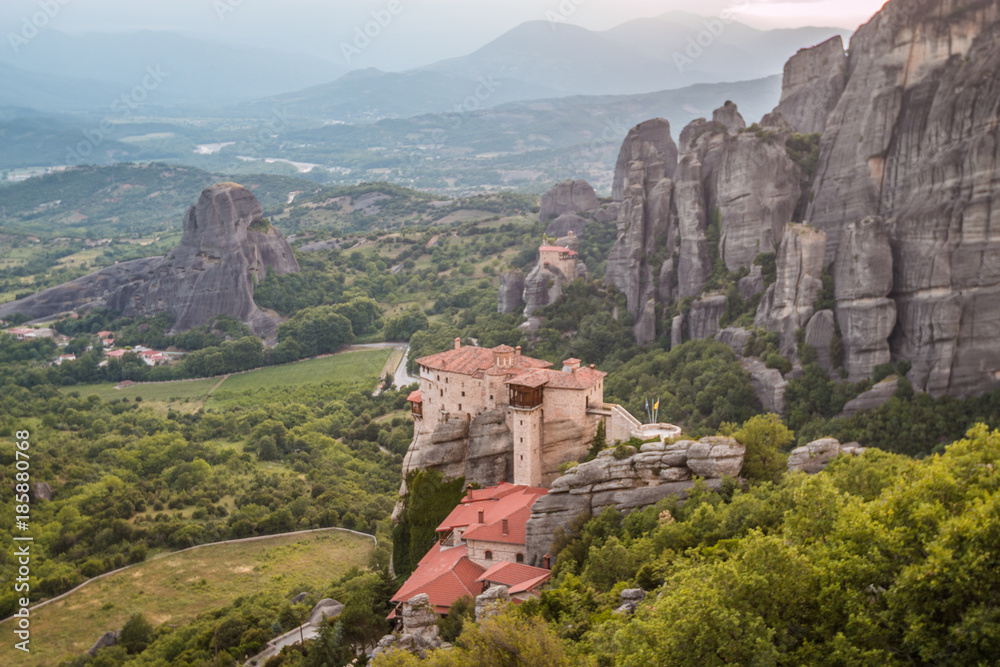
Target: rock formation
<point x="914" y="139"/>
<point x="567" y="197"/>
<point x="648" y="142"/>
<point x="813" y="81"/>
<point x="768" y="384"/>
<point x="820" y="333"/>
<point x="862" y="282"/>
<point x="566" y="223"/>
<point x="789" y="303"/>
<point x="637" y="480"/>
<point x="510" y="298"/>
<point x="420" y="631"/>
<point x="631" y="598"/>
<point x="225" y="250"/>
<point x="703" y="320"/>
<point x="492" y="602"/>
<point x="817" y="454"/>
<point x="875" y="397"/>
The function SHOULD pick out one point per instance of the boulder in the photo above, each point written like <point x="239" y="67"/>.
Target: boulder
<point x="107" y="639"/>
<point x="735" y="337"/>
<point x="631" y="598"/>
<point x="768" y="384"/>
<point x="875" y="397"/>
<point x="491" y="602"/>
<point x="815" y="456"/>
<point x="41" y="491"/>
<point x="325" y="608"/>
<point x="567" y="197"/>
<point x="715" y="457"/>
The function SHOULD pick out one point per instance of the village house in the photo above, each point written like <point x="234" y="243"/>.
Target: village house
<point x="480" y="544"/>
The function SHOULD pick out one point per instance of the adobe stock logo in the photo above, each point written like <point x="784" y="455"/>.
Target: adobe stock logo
<point x="123" y="108"/>
<point x="32" y="25"/>
<point x="363" y="35"/>
<point x="714" y="28"/>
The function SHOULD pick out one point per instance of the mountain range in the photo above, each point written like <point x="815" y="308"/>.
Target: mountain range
<point x="59" y="72"/>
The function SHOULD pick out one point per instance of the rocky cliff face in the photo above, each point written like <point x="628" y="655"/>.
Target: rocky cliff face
<point x="568" y="197"/>
<point x="788" y="304"/>
<point x="905" y="193"/>
<point x="225" y="250"/>
<point x="813" y="81"/>
<point x="914" y="139"/>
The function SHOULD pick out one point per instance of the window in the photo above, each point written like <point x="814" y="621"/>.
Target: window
<point x="463" y="394"/>
<point x="459" y="407"/>
<point x="442" y="393"/>
<point x="488" y="555"/>
<point x="520" y="558"/>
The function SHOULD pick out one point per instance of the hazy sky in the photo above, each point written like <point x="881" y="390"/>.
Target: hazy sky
<point x="423" y="30"/>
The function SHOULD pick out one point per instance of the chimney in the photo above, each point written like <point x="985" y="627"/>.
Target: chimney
<point x="505" y="528"/>
<point x="458" y="343"/>
<point x="482" y="516"/>
<point x="517" y="351"/>
<point x="592" y="367"/>
<point x="571" y="365"/>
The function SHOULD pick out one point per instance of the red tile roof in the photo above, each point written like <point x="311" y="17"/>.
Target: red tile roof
<point x="506" y="501"/>
<point x="445" y="575"/>
<point x="470" y="359"/>
<point x="516" y="576"/>
<point x="415" y="397"/>
<point x="557" y="248"/>
<point x="581" y="378"/>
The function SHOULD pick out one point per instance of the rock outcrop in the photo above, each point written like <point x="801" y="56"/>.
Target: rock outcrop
<point x="566" y="223"/>
<point x="492" y="602"/>
<point x="914" y="139"/>
<point x="875" y="397"/>
<point x="510" y="297"/>
<point x="813" y="82"/>
<point x="648" y="142"/>
<point x="481" y="449"/>
<point x="631" y="598"/>
<point x="646" y="192"/>
<point x="703" y="320"/>
<point x="817" y="454"/>
<point x="768" y="384"/>
<point x="788" y="304"/>
<point x="419" y="632"/>
<point x="226" y="249"/>
<point x="568" y="197"/>
<point x="862" y="281"/>
<point x="637" y="480"/>
<point x="820" y="333"/>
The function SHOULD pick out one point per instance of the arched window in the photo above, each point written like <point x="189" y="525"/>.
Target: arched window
<point x="520" y="558"/>
<point x="488" y="555"/>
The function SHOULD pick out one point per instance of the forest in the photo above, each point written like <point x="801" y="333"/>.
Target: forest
<point x="843" y="567"/>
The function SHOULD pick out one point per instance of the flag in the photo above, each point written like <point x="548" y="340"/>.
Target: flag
<point x="656" y="406"/>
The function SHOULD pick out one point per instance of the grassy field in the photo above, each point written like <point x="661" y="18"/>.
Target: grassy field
<point x="190" y="395"/>
<point x="176" y="588"/>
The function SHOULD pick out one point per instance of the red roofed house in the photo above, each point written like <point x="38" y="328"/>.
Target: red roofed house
<point x="551" y="415"/>
<point x="558" y="257"/>
<point x="481" y="543"/>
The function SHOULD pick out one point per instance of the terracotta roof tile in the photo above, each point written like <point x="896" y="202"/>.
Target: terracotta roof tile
<point x="516" y="576"/>
<point x="581" y="378"/>
<point x="469" y="359"/>
<point x="445" y="575"/>
<point x="415" y="397"/>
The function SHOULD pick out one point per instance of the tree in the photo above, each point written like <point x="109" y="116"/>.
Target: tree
<point x="402" y="327"/>
<point x="764" y="436"/>
<point x="136" y="634"/>
<point x="317" y="330"/>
